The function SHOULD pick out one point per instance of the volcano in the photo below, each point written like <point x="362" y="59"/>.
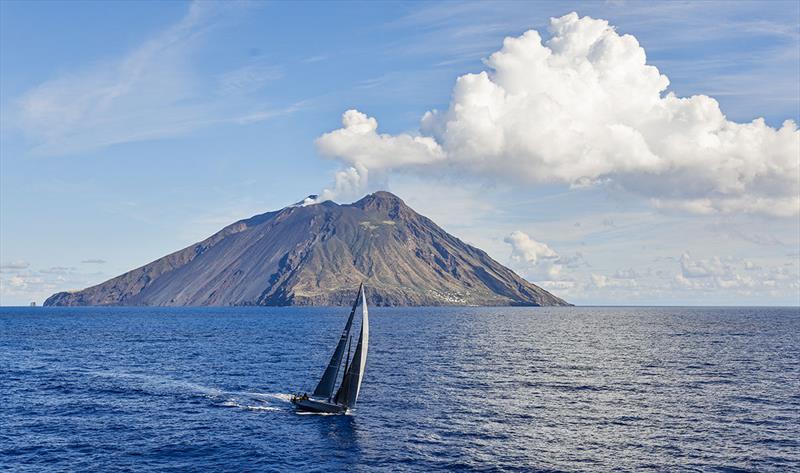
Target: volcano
<point x="316" y="255"/>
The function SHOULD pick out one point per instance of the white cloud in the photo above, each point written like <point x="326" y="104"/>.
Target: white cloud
<point x="715" y="273"/>
<point x="359" y="143"/>
<point x="707" y="280"/>
<point x="537" y="259"/>
<point x="601" y="281"/>
<point x="750" y="266"/>
<point x="703" y="268"/>
<point x="526" y="249"/>
<point x="26" y="285"/>
<point x="364" y="150"/>
<point x="584" y="109"/>
<point x="17" y="281"/>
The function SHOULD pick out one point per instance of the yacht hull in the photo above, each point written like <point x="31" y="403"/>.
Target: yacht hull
<point x="317" y="405"/>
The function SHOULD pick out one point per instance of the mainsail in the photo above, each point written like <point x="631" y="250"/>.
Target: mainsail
<point x="351" y="383"/>
<point x="328" y="381"/>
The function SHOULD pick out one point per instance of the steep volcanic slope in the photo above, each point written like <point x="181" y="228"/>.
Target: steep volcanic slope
<point x="317" y="255"/>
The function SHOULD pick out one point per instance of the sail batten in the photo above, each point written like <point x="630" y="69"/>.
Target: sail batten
<point x="328" y="381"/>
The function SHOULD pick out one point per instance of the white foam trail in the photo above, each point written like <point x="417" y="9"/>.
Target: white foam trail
<point x="261" y="408"/>
<point x="158" y="380"/>
<point x="234" y="403"/>
<point x="237" y="399"/>
<point x="244" y="400"/>
<point x="283" y="397"/>
<point x="262" y="396"/>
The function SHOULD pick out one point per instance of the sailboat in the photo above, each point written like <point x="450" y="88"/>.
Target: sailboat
<point x="326" y="398"/>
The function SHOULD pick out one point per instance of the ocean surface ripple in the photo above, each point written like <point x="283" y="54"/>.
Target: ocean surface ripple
<point x="446" y="389"/>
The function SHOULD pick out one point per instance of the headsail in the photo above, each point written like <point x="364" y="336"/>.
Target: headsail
<point x="328" y="381"/>
<point x="351" y="384"/>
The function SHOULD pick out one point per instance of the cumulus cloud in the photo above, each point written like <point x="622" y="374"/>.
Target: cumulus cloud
<point x="728" y="273"/>
<point x="685" y="278"/>
<point x="583" y="108"/>
<point x="364" y="150"/>
<point x="17" y="281"/>
<point x="537" y="259"/>
<point x="711" y="278"/>
<point x="703" y="268"/>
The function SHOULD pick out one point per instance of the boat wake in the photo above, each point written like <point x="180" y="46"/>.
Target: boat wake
<point x="246" y="406"/>
<point x="159" y="385"/>
<point x="252" y="401"/>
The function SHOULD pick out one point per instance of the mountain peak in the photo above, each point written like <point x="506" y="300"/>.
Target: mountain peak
<point x="377" y="199"/>
<point x="382" y="201"/>
<point x="385" y="195"/>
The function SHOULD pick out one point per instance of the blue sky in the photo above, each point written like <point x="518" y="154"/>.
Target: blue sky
<point x="133" y="129"/>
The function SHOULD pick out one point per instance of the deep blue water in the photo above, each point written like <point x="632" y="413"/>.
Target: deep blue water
<point x="505" y="389"/>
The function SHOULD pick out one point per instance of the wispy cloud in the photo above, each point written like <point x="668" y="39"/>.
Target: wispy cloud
<point x="313" y="59"/>
<point x="249" y="78"/>
<point x="94" y="261"/>
<point x="154" y="91"/>
<point x="14" y="266"/>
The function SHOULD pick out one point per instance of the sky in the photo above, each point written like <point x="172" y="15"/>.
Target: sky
<point x="615" y="153"/>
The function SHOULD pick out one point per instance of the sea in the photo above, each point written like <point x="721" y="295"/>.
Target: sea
<point x="446" y="389"/>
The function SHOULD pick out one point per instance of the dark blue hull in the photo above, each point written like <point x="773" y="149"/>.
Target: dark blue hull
<point x="318" y="405"/>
